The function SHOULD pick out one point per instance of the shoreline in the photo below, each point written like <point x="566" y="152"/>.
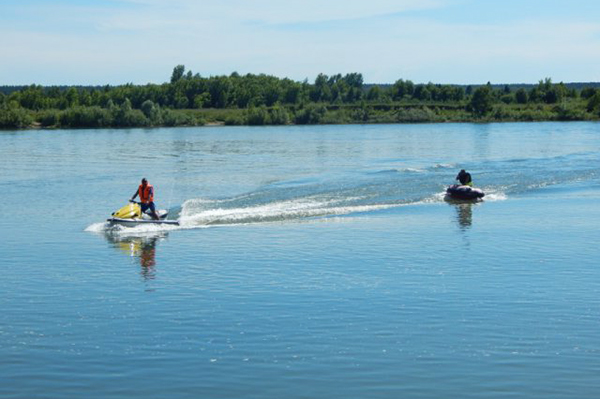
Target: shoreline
<point x="99" y="118"/>
<point x="38" y="127"/>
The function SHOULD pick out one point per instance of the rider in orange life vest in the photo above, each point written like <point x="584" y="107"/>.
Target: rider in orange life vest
<point x="146" y="193"/>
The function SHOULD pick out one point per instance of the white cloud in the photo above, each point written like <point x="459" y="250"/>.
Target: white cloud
<point x="286" y="12"/>
<point x="144" y="40"/>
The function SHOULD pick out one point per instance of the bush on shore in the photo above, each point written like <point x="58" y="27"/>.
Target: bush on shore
<point x="13" y="116"/>
<point x="150" y="114"/>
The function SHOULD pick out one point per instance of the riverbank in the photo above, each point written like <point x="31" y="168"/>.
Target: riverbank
<point x="191" y="100"/>
<point x="127" y="117"/>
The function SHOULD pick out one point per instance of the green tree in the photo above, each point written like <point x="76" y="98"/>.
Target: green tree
<point x="546" y="92"/>
<point x="507" y="98"/>
<point x="536" y="95"/>
<point x="14" y="116"/>
<point x="177" y="74"/>
<point x="258" y="116"/>
<point x="126" y="116"/>
<point x="87" y="117"/>
<point x="201" y="99"/>
<point x="173" y="118"/>
<point x="181" y="101"/>
<point x="374" y="94"/>
<point x="422" y="93"/>
<point x="594" y="103"/>
<point x="588" y="92"/>
<point x="555" y="93"/>
<point x="279" y="116"/>
<point x="409" y="88"/>
<point x="72" y="97"/>
<point x="220" y="90"/>
<point x="291" y="92"/>
<point x="321" y="90"/>
<point x="482" y="101"/>
<point x="311" y="114"/>
<point x="447" y="93"/>
<point x="401" y="89"/>
<point x="521" y="96"/>
<point x="271" y="93"/>
<point x="434" y="90"/>
<point x="152" y="112"/>
<point x="33" y="98"/>
<point x="361" y="114"/>
<point x="49" y="118"/>
<point x="354" y="83"/>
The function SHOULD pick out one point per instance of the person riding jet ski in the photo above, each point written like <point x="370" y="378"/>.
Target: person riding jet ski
<point x="146" y="193"/>
<point x="464" y="178"/>
<point x="464" y="190"/>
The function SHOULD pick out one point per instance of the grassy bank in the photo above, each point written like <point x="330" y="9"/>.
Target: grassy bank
<point x="96" y="117"/>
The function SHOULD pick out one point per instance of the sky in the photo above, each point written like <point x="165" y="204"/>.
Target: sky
<point x="85" y="42"/>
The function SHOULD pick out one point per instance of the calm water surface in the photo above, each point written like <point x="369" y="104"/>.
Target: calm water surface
<point x="311" y="262"/>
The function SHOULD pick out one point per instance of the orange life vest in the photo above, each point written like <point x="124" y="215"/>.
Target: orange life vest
<point x="146" y="193"/>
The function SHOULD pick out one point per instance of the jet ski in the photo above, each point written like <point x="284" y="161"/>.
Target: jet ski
<point x="131" y="215"/>
<point x="460" y="192"/>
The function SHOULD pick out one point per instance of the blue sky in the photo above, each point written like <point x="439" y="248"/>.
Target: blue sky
<point x="442" y="41"/>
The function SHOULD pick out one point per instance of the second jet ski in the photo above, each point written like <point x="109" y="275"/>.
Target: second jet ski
<point x="464" y="192"/>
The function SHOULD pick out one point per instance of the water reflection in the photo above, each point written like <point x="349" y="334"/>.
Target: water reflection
<point x="143" y="248"/>
<point x="464" y="213"/>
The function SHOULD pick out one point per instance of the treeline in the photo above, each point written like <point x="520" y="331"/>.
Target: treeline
<point x="190" y="99"/>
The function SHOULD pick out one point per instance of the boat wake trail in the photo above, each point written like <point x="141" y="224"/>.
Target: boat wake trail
<point x="200" y="212"/>
<point x="367" y="192"/>
<point x="294" y="201"/>
<point x="374" y="191"/>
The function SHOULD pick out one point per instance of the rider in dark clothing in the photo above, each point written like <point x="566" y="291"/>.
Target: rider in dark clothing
<point x="464" y="178"/>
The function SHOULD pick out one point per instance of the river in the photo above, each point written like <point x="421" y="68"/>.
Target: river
<point x="310" y="262"/>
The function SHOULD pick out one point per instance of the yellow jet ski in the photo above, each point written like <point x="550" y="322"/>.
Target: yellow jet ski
<point x="131" y="215"/>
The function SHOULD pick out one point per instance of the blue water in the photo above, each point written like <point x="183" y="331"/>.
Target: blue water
<point x="311" y="262"/>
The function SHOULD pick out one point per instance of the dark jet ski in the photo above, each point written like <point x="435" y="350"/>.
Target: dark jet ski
<point x="460" y="192"/>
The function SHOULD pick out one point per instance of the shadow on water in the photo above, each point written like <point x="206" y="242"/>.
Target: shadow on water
<point x="464" y="212"/>
<point x="142" y="248"/>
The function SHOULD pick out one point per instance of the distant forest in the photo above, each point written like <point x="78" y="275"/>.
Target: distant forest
<point x="189" y="99"/>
